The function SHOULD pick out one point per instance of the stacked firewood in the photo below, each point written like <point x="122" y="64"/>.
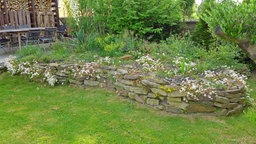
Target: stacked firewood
<point x="17" y="5"/>
<point x="43" y="5"/>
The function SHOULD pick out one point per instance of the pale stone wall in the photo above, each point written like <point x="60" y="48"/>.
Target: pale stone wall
<point x="148" y="89"/>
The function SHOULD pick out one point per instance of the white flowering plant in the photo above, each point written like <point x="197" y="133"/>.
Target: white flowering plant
<point x="212" y="81"/>
<point x="149" y="64"/>
<point x="104" y="61"/>
<point x="86" y="70"/>
<point x="35" y="71"/>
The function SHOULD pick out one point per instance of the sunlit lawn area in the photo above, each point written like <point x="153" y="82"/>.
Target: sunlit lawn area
<point x="33" y="113"/>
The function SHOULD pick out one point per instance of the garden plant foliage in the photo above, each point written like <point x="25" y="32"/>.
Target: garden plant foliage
<point x="235" y="19"/>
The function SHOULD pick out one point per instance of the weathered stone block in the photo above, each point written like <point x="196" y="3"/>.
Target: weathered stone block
<point x="140" y="98"/>
<point x="103" y="85"/>
<point x="62" y="74"/>
<point x="132" y="95"/>
<point x="2" y="68"/>
<point x="235" y="111"/>
<point x="118" y="84"/>
<point x="109" y="68"/>
<point x="237" y="100"/>
<point x="152" y="102"/>
<point x="91" y="83"/>
<point x="222" y="112"/>
<point x="75" y="82"/>
<point x="122" y="93"/>
<point x="122" y="71"/>
<point x="199" y="108"/>
<point x="233" y="91"/>
<point x="232" y="105"/>
<point x="126" y="57"/>
<point x="151" y="95"/>
<point x="136" y="90"/>
<point x="171" y="99"/>
<point x="221" y="99"/>
<point x="180" y="105"/>
<point x="220" y="105"/>
<point x="158" y="81"/>
<point x="232" y="95"/>
<point x="53" y="64"/>
<point x="177" y="94"/>
<point x="158" y="92"/>
<point x="132" y="77"/>
<point x="159" y="107"/>
<point x="174" y="110"/>
<point x="150" y="84"/>
<point x="127" y="82"/>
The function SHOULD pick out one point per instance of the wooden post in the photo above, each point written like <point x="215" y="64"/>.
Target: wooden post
<point x="5" y="13"/>
<point x="31" y="5"/>
<point x="56" y="13"/>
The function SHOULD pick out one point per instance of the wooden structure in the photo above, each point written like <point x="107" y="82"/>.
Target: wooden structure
<point x="34" y="13"/>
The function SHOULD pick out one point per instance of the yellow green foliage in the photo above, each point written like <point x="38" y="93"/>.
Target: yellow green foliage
<point x="167" y="89"/>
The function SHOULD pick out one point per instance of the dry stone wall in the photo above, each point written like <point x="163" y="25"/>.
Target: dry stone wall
<point x="2" y="68"/>
<point x="147" y="89"/>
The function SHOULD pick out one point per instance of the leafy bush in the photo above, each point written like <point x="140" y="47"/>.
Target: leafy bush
<point x="235" y="19"/>
<point x="175" y="47"/>
<point x="144" y="16"/>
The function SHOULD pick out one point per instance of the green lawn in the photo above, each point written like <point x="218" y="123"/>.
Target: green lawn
<point x="33" y="113"/>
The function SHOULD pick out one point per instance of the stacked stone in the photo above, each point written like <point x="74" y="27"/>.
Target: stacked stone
<point x="2" y="68"/>
<point x="231" y="102"/>
<point x="148" y="89"/>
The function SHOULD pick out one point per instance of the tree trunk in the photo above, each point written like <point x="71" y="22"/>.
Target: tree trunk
<point x="243" y="44"/>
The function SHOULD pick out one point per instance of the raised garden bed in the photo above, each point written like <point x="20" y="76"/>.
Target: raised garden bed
<point x="180" y="94"/>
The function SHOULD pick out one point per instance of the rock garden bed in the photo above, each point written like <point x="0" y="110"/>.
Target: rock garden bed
<point x="222" y="92"/>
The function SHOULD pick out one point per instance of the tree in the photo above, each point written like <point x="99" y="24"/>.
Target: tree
<point x="187" y="7"/>
<point x="234" y="22"/>
<point x="201" y="35"/>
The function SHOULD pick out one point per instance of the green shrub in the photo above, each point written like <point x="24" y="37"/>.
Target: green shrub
<point x="176" y="46"/>
<point x="235" y="19"/>
<point x="183" y="47"/>
<point x="221" y="55"/>
<point x="144" y="16"/>
<point x="201" y="35"/>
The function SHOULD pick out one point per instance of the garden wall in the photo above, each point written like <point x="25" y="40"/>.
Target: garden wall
<point x="2" y="68"/>
<point x="146" y="88"/>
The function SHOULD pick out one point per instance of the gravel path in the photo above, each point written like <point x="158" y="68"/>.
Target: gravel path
<point x="3" y="57"/>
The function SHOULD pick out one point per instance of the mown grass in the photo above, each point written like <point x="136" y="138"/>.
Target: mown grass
<point x="34" y="113"/>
